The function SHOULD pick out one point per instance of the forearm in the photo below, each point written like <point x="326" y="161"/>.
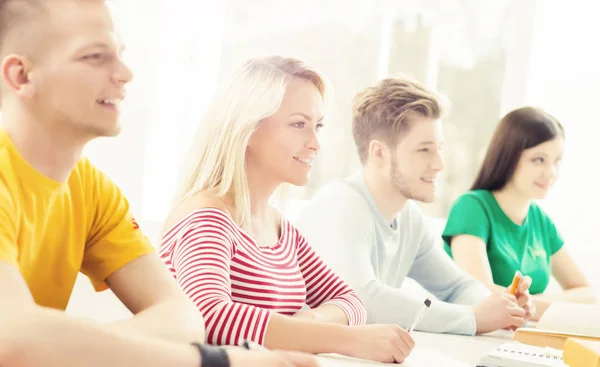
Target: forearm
<point x="578" y="295"/>
<point x="326" y="313"/>
<point x="48" y="338"/>
<point x="177" y="320"/>
<point x="289" y="333"/>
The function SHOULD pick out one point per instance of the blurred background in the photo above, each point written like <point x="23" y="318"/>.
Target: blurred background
<point x="487" y="56"/>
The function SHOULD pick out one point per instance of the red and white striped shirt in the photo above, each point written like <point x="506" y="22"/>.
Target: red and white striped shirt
<point x="237" y="285"/>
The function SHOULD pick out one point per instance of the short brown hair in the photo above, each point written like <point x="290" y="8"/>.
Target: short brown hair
<point x="383" y="111"/>
<point x="519" y="130"/>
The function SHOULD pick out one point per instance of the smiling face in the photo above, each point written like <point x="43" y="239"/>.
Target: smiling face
<point x="76" y="85"/>
<point x="538" y="169"/>
<point x="284" y="144"/>
<point x="416" y="161"/>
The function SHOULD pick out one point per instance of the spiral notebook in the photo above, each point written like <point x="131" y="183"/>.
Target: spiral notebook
<point x="515" y="354"/>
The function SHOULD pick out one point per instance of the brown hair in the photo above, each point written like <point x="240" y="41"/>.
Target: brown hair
<point x="520" y="129"/>
<point x="383" y="111"/>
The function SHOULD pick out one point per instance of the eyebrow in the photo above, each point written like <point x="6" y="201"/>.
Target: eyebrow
<point x="307" y="116"/>
<point x="103" y="45"/>
<point x="429" y="142"/>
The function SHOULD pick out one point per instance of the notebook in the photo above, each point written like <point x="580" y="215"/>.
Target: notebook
<point x="560" y="321"/>
<point x="515" y="354"/>
<point x="571" y="318"/>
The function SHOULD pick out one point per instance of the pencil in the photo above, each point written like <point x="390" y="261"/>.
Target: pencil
<point x="515" y="283"/>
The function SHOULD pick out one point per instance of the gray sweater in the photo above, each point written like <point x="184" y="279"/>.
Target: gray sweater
<point x="343" y="224"/>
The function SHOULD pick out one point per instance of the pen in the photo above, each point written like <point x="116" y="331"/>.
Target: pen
<point x="420" y="314"/>
<point x="515" y="283"/>
<point x="249" y="345"/>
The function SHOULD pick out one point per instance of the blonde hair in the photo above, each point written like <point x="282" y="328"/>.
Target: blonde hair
<point x="254" y="93"/>
<point x="382" y="111"/>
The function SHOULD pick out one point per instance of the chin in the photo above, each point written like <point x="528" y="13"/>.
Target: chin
<point x="299" y="181"/>
<point x="108" y="131"/>
<point x="539" y="195"/>
<point x="424" y="197"/>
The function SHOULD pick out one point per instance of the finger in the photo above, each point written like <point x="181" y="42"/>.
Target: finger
<point x="524" y="284"/>
<point x="523" y="300"/>
<point x="399" y="357"/>
<point x="405" y="338"/>
<point x="516" y="311"/>
<point x="510" y="297"/>
<point x="516" y="321"/>
<point x="401" y="346"/>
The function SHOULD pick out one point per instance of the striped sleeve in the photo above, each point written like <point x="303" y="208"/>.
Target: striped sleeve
<point x="323" y="286"/>
<point x="201" y="260"/>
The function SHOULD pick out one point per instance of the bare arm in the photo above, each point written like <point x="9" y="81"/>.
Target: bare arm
<point x="576" y="287"/>
<point x="325" y="313"/>
<point x="29" y="337"/>
<point x="470" y="254"/>
<point x="161" y="309"/>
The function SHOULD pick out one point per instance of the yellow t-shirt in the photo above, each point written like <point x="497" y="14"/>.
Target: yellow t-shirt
<point x="51" y="231"/>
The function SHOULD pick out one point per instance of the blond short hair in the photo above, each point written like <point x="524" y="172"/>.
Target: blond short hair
<point x="383" y="111"/>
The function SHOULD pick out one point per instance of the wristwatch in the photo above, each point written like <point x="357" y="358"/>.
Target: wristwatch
<point x="211" y="356"/>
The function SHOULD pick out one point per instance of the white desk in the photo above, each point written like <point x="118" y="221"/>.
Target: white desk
<point x="435" y="350"/>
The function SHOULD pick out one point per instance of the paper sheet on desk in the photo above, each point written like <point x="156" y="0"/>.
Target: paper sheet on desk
<point x="571" y="318"/>
<point x="421" y="357"/>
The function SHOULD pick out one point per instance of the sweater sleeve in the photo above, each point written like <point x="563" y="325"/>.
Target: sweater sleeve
<point x="201" y="259"/>
<point x="339" y="225"/>
<point x="323" y="286"/>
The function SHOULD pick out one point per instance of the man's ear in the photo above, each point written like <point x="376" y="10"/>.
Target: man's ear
<point x="17" y="75"/>
<point x="379" y="153"/>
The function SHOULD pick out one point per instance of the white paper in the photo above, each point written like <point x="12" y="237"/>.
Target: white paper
<point x="571" y="318"/>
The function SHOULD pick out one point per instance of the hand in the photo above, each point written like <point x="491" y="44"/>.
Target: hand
<point x="498" y="311"/>
<point x="382" y="343"/>
<point x="242" y="357"/>
<point x="524" y="299"/>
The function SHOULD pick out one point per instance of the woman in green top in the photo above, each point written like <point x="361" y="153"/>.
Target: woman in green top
<point x="497" y="229"/>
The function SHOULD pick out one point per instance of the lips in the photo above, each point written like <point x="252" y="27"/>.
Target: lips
<point x="430" y="180"/>
<point x="307" y="161"/>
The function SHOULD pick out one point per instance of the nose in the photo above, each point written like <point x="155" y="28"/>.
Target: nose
<point x="438" y="162"/>
<point x="313" y="142"/>
<point x="122" y="74"/>
<point x="551" y="172"/>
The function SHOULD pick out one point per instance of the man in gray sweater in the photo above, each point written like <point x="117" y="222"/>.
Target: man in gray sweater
<point x="369" y="230"/>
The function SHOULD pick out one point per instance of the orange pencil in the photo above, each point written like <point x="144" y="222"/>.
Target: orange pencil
<point x="515" y="283"/>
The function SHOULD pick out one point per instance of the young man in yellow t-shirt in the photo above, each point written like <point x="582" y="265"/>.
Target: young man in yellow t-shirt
<point x="62" y="79"/>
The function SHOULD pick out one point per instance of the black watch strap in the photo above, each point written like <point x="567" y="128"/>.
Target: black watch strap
<point x="212" y="356"/>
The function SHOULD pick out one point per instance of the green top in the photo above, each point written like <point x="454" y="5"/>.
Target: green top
<point x="510" y="247"/>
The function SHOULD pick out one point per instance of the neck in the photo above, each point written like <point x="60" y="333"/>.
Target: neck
<point x="514" y="205"/>
<point x="261" y="189"/>
<point x="388" y="200"/>
<point x="52" y="152"/>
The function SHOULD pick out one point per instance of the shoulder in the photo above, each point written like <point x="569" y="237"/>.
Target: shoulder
<point x="339" y="195"/>
<point x="539" y="215"/>
<point x="201" y="207"/>
<point x="476" y="201"/>
<point x="86" y="176"/>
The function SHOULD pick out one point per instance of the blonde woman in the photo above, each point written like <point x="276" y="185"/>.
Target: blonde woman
<point x="248" y="270"/>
